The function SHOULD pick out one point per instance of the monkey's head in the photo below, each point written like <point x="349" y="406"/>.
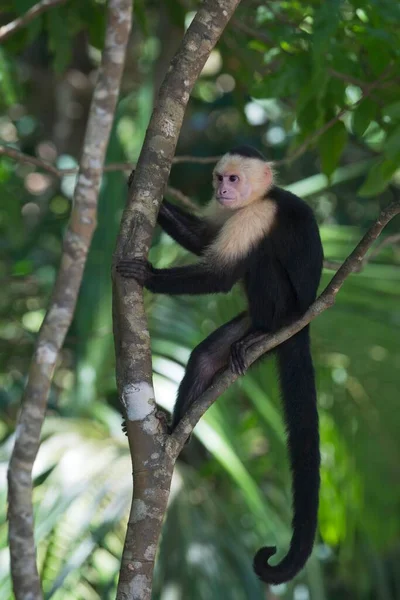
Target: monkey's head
<point x="242" y="176"/>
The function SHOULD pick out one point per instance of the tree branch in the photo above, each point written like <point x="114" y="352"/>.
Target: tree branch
<point x="18" y="156"/>
<point x="77" y="240"/>
<point x="7" y="30"/>
<point x="325" y="300"/>
<point x="390" y="240"/>
<point x="261" y="36"/>
<point x="147" y="431"/>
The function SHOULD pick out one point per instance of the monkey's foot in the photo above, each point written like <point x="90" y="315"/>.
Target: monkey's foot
<point x="238" y="362"/>
<point x="134" y="269"/>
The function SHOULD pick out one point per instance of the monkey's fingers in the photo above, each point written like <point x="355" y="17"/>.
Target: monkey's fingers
<point x="133" y="269"/>
<point x="238" y="363"/>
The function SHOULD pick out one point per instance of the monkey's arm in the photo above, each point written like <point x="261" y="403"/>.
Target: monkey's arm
<point x="297" y="246"/>
<point x="191" y="279"/>
<point x="191" y="232"/>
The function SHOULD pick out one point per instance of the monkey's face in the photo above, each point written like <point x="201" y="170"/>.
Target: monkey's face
<point x="231" y="189"/>
<point x="239" y="181"/>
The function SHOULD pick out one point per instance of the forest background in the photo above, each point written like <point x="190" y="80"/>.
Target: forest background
<point x="316" y="87"/>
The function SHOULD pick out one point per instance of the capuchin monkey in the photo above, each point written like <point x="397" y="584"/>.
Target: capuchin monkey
<point x="267" y="238"/>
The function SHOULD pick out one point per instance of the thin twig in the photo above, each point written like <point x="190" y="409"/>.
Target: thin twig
<point x="390" y="240"/>
<point x="358" y="82"/>
<point x="7" y="30"/>
<point x="25" y="577"/>
<point x="200" y="160"/>
<point x="36" y="162"/>
<point x="120" y="166"/>
<point x="325" y="301"/>
<point x="261" y="36"/>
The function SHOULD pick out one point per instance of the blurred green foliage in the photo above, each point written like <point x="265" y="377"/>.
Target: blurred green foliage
<point x="281" y="75"/>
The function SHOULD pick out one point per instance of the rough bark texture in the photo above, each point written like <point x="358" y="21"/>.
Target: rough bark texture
<point x="82" y="224"/>
<point x="147" y="431"/>
<point x="268" y="342"/>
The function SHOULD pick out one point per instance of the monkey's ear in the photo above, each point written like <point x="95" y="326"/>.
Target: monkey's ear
<point x="269" y="173"/>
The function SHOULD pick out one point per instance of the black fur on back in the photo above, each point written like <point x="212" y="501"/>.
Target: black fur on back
<point x="247" y="152"/>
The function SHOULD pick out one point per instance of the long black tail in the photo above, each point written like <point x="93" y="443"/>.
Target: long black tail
<point x="300" y="407"/>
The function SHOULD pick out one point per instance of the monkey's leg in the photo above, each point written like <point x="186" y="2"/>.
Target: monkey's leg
<point x="209" y="357"/>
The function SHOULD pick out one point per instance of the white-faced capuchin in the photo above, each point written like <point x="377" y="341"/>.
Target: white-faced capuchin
<point x="266" y="237"/>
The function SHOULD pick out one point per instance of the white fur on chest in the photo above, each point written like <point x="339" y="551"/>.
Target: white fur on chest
<point x="242" y="232"/>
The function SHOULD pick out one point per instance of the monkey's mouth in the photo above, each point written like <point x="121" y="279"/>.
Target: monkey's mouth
<point x="225" y="199"/>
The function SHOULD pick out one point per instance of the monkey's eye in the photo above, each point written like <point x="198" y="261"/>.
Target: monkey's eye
<point x="233" y="178"/>
<point x="220" y="178"/>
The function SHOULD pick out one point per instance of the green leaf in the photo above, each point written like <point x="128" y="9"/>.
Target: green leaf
<point x="363" y="115"/>
<point x="21" y="6"/>
<point x="141" y="17"/>
<point x="392" y="111"/>
<point x="392" y="144"/>
<point x="176" y="12"/>
<point x="8" y="81"/>
<point x="379" y="178"/>
<point x="97" y="27"/>
<point x="291" y="77"/>
<point x="331" y="145"/>
<point x="59" y="38"/>
<point x="326" y="23"/>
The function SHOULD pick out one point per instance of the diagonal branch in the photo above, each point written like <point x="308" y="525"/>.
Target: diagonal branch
<point x="77" y="240"/>
<point x="7" y="30"/>
<point x="268" y="342"/>
<point x="390" y="240"/>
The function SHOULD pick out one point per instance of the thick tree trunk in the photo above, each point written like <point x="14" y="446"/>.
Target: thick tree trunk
<point x="153" y="456"/>
<point x="25" y="576"/>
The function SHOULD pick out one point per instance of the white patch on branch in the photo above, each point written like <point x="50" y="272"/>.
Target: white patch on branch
<point x="168" y="128"/>
<point x="140" y="587"/>
<point x="138" y="400"/>
<point x="150" y="552"/>
<point x="142" y="511"/>
<point x="100" y="94"/>
<point x="139" y="511"/>
<point x="46" y="354"/>
<point x="151" y="425"/>
<point x="59" y="314"/>
<point x="84" y="181"/>
<point x="117" y="55"/>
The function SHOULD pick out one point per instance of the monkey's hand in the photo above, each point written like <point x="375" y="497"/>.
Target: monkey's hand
<point x="238" y="362"/>
<point x="137" y="269"/>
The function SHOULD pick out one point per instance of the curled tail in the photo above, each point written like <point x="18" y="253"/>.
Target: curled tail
<point x="300" y="407"/>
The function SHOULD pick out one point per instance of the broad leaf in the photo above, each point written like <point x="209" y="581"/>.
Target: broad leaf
<point x="331" y="145"/>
